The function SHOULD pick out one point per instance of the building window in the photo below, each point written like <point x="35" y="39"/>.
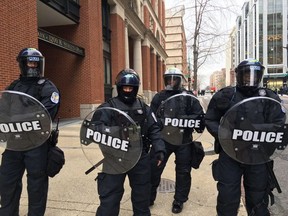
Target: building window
<point x="106" y="20"/>
<point x="107" y="76"/>
<point x="260" y="32"/>
<point x="274" y="28"/>
<point x="106" y="49"/>
<point x="274" y="70"/>
<point x="133" y="6"/>
<point x="151" y="23"/>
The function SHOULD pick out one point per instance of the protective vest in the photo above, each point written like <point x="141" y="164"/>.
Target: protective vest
<point x="32" y="88"/>
<point x="138" y="113"/>
<point x="229" y="97"/>
<point x="181" y="108"/>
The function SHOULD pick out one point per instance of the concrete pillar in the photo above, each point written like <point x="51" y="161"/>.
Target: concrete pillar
<point x="126" y="45"/>
<point x="153" y="68"/>
<point x="137" y="57"/>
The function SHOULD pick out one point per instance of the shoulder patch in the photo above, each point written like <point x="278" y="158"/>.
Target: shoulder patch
<point x="282" y="106"/>
<point x="262" y="92"/>
<point x="55" y="97"/>
<point x="154" y="117"/>
<point x="140" y="111"/>
<point x="41" y="81"/>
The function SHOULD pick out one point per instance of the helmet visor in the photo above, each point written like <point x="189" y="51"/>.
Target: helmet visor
<point x="172" y="82"/>
<point x="32" y="66"/>
<point x="249" y="75"/>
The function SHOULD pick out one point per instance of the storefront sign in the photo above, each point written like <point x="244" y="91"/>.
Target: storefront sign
<point x="60" y="42"/>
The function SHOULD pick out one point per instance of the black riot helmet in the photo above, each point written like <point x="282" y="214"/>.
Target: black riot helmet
<point x="249" y="74"/>
<point x="127" y="77"/>
<point x="173" y="79"/>
<point x="31" y="62"/>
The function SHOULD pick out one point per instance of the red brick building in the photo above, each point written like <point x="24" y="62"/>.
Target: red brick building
<point x="85" y="44"/>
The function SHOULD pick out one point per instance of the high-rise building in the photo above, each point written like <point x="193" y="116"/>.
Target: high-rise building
<point x="176" y="47"/>
<point x="261" y="33"/>
<point x="217" y="79"/>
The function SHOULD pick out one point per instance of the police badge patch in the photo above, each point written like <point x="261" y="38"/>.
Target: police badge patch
<point x="55" y="97"/>
<point x="41" y="81"/>
<point x="282" y="106"/>
<point x="140" y="111"/>
<point x="262" y="92"/>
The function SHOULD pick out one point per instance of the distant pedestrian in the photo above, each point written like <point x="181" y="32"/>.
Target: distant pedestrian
<point x="281" y="91"/>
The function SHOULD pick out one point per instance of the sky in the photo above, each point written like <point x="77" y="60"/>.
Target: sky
<point x="226" y="22"/>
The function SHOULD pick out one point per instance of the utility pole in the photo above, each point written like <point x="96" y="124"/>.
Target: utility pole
<point x="189" y="73"/>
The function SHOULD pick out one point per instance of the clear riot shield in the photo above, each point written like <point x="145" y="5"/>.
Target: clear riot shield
<point x="110" y="140"/>
<point x="254" y="131"/>
<point x="182" y="119"/>
<point x="24" y="121"/>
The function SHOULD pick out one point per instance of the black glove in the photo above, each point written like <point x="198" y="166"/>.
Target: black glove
<point x="202" y="125"/>
<point x="199" y="130"/>
<point x="160" y="155"/>
<point x="53" y="139"/>
<point x="217" y="146"/>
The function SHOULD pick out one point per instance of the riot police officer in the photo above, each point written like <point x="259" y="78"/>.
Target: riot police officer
<point x="110" y="186"/>
<point x="31" y="81"/>
<point x="173" y="80"/>
<point x="227" y="171"/>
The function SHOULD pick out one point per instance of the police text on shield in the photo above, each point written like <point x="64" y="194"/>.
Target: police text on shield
<point x="16" y="127"/>
<point x="107" y="140"/>
<point x="186" y="123"/>
<point x="257" y="136"/>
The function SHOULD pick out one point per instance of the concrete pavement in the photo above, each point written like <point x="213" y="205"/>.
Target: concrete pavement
<point x="72" y="193"/>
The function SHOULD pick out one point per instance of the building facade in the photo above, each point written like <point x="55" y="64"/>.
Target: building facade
<point x="176" y="43"/>
<point x="86" y="44"/>
<point x="230" y="59"/>
<point x="218" y="80"/>
<point x="261" y="33"/>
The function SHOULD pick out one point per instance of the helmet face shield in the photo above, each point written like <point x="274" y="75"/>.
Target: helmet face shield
<point x="38" y="66"/>
<point x="128" y="95"/>
<point x="173" y="79"/>
<point x="126" y="78"/>
<point x="250" y="75"/>
<point x="172" y="82"/>
<point x="31" y="63"/>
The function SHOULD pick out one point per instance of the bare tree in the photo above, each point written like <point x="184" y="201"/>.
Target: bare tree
<point x="201" y="81"/>
<point x="207" y="26"/>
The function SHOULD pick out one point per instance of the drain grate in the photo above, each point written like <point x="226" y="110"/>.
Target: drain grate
<point x="166" y="186"/>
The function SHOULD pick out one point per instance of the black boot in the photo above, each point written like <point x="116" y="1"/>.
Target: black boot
<point x="177" y="206"/>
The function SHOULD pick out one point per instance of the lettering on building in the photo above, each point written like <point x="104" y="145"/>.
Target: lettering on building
<point x="60" y="42"/>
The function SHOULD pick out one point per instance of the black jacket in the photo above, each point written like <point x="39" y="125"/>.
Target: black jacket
<point x="41" y="89"/>
<point x="222" y="101"/>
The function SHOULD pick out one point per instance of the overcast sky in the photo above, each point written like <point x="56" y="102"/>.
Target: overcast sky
<point x="227" y="23"/>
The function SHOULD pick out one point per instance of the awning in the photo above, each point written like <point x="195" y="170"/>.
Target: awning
<point x="280" y="75"/>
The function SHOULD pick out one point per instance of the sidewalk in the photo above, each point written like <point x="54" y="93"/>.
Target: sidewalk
<point x="72" y="193"/>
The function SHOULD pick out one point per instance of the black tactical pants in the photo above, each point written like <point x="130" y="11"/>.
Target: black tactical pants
<point x="182" y="169"/>
<point x="11" y="172"/>
<point x="228" y="173"/>
<point x="111" y="189"/>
